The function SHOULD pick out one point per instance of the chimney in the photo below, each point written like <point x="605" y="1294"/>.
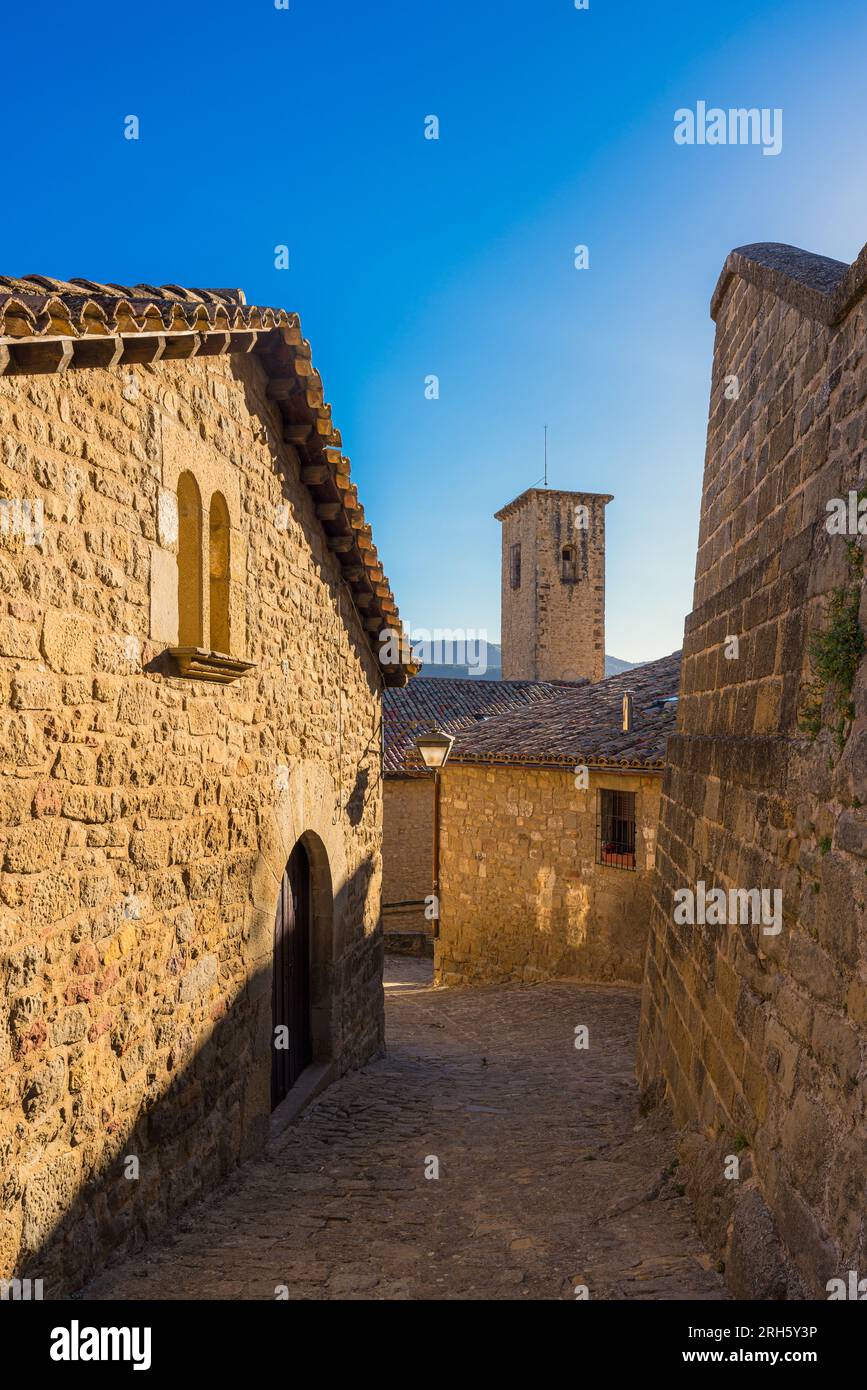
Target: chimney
<point x="627" y="712"/>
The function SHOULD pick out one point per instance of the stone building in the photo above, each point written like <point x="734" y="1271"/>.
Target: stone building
<point x="755" y="1027"/>
<point x="408" y="821"/>
<point x="548" y="834"/>
<point x="189" y="656"/>
<point x="553" y="585"/>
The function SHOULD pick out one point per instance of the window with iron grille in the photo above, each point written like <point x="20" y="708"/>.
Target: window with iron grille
<point x="615" y="828"/>
<point x="569" y="571"/>
<point x="515" y="566"/>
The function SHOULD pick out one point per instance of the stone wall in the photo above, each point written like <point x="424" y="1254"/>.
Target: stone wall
<point x="145" y="819"/>
<point x="553" y="629"/>
<point x="759" y="1038"/>
<point x="407" y="854"/>
<point x="523" y="897"/>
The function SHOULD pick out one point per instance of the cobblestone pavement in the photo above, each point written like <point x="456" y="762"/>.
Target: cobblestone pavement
<point x="548" y="1176"/>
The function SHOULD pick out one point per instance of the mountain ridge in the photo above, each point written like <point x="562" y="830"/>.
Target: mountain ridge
<point x="493" y="671"/>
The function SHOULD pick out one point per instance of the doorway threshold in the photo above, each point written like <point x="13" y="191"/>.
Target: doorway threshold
<point x="311" y="1083"/>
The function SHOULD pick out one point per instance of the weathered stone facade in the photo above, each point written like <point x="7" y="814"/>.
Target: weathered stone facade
<point x="447" y="704"/>
<point x="146" y="818"/>
<point x="522" y="894"/>
<point x="548" y="809"/>
<point x="760" y="1038"/>
<point x="407" y="857"/>
<point x="553" y="586"/>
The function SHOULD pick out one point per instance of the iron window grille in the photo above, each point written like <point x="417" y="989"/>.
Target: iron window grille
<point x="615" y="828"/>
<point x="515" y="566"/>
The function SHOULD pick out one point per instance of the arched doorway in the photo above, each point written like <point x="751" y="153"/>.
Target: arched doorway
<point x="290" y="993"/>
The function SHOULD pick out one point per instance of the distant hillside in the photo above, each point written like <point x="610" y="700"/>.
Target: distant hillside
<point x="614" y="665"/>
<point x="493" y="663"/>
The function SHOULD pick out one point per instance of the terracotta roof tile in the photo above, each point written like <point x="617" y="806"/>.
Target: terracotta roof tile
<point x="450" y="704"/>
<point x="584" y="724"/>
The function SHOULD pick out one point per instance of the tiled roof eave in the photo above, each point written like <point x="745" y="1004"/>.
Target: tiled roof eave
<point x="594" y="762"/>
<point x="537" y="724"/>
<point x="51" y="327"/>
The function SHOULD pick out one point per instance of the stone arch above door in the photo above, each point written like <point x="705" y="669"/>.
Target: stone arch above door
<point x="303" y="809"/>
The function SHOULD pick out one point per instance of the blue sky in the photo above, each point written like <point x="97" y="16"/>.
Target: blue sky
<point x="409" y="257"/>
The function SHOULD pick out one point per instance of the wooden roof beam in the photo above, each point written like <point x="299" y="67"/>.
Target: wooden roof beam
<point x="297" y="434"/>
<point x="243" y="340"/>
<point x="181" y="345"/>
<point x="213" y="344"/>
<point x="315" y="473"/>
<point x="281" y="388"/>
<point x="98" y="352"/>
<point x="40" y="355"/>
<point x="143" y="347"/>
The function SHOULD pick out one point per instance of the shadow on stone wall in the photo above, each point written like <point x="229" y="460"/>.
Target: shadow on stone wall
<point x="84" y="1205"/>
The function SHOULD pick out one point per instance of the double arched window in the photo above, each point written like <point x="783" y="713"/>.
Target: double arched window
<point x="191" y="569"/>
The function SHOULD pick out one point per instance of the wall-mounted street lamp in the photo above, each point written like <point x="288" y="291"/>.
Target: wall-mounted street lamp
<point x="434" y="750"/>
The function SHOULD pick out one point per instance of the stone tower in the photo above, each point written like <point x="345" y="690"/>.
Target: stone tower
<point x="553" y="585"/>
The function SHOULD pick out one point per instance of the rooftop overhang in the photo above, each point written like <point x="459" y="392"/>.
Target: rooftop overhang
<point x="53" y="327"/>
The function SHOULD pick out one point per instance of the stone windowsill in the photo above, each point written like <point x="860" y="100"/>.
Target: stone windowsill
<point x="195" y="663"/>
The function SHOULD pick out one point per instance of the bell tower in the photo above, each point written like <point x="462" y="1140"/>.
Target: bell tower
<point x="553" y="585"/>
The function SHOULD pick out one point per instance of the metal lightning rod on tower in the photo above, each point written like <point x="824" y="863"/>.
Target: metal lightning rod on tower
<point x="544" y="478"/>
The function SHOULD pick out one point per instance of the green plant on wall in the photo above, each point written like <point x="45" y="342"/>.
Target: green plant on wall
<point x="835" y="651"/>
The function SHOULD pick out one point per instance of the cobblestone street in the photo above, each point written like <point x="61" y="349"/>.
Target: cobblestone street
<point x="548" y="1176"/>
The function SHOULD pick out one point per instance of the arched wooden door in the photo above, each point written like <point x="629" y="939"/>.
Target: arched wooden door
<point x="290" y="997"/>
